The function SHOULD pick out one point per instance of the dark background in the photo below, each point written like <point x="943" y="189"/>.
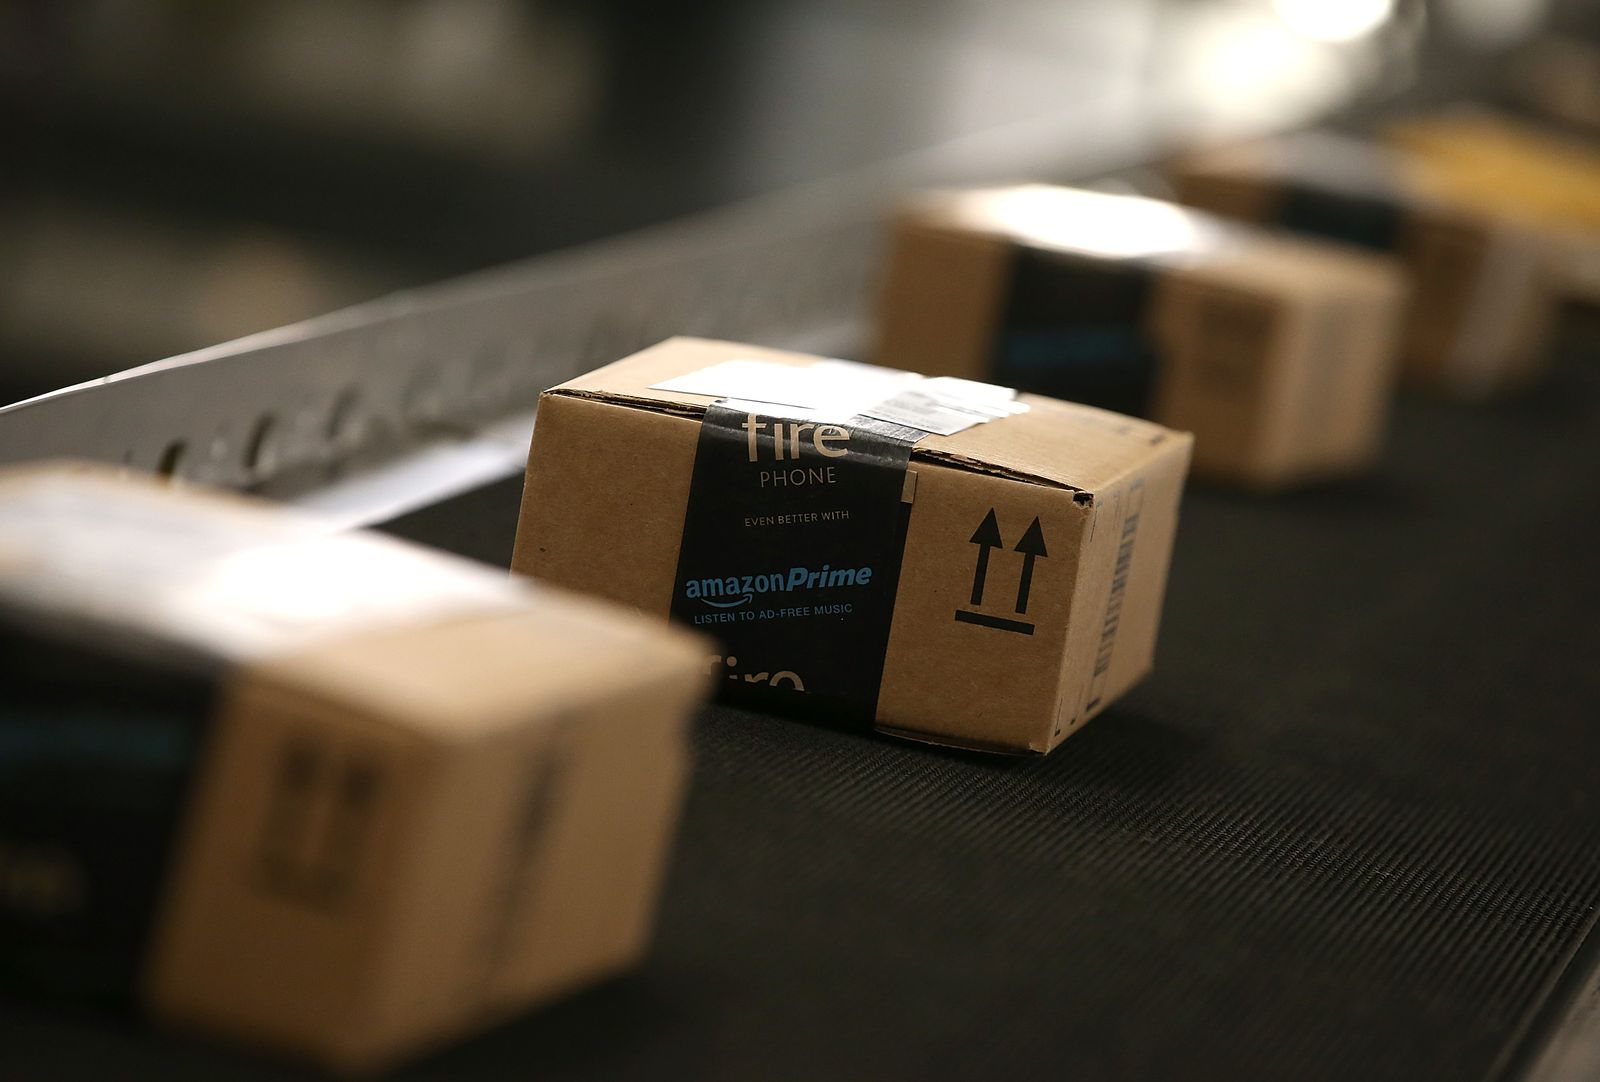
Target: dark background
<point x="177" y="173"/>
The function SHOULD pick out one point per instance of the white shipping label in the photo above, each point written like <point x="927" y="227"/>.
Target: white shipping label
<point x="836" y="390"/>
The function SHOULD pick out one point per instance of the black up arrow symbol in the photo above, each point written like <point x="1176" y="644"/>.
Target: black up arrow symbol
<point x="986" y="537"/>
<point x="1032" y="547"/>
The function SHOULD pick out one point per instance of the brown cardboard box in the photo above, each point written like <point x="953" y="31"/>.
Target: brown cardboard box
<point x="1504" y="166"/>
<point x="1004" y="582"/>
<point x="1277" y="354"/>
<point x="1484" y="279"/>
<point x="364" y="797"/>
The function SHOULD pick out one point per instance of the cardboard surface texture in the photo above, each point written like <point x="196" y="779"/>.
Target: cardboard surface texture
<point x="1277" y="354"/>
<point x="1485" y="277"/>
<point x="419" y="796"/>
<point x="1029" y="565"/>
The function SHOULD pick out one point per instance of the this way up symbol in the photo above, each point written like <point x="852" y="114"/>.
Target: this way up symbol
<point x="1031" y="547"/>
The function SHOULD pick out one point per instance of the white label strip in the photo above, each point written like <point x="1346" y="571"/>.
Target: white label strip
<point x="840" y="389"/>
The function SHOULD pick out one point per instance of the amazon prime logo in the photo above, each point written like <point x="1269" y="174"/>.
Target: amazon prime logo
<point x="733" y="591"/>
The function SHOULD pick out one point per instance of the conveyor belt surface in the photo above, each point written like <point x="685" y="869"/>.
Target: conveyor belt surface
<point x="1348" y="829"/>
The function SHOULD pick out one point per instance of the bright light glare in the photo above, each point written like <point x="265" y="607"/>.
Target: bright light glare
<point x="1117" y="226"/>
<point x="1334" y="20"/>
<point x="263" y="597"/>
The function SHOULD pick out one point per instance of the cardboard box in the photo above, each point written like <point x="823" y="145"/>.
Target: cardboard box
<point x="992" y="587"/>
<point x="328" y="793"/>
<point x="1484" y="280"/>
<point x="1277" y="354"/>
<point x="1500" y="165"/>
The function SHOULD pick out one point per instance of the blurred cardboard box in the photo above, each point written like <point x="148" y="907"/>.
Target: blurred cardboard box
<point x="937" y="559"/>
<point x="328" y="793"/>
<point x="1501" y="165"/>
<point x="1485" y="281"/>
<point x="1277" y="354"/>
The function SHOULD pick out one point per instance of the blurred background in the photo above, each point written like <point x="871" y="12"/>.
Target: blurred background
<point x="178" y="173"/>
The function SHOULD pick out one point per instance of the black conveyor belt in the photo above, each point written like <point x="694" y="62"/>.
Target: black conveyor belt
<point x="1349" y="829"/>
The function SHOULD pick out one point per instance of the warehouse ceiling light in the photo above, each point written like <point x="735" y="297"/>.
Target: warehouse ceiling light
<point x="1334" y="20"/>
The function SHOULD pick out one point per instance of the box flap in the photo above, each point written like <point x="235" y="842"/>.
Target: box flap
<point x="1054" y="443"/>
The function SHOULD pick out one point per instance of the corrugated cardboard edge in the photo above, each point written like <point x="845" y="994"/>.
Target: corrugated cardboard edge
<point x="1132" y="653"/>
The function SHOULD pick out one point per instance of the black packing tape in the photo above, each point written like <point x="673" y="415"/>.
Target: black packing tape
<point x="98" y="753"/>
<point x="791" y="550"/>
<point x="1369" y="221"/>
<point x="1075" y="328"/>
